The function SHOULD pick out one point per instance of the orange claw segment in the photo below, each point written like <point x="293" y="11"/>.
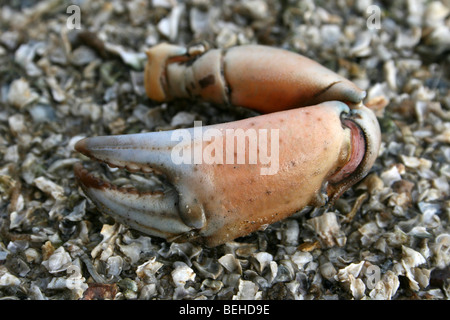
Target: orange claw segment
<point x="199" y="77"/>
<point x="270" y="79"/>
<point x="239" y="200"/>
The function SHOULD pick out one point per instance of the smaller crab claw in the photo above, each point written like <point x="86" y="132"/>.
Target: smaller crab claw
<point x="211" y="195"/>
<point x="257" y="77"/>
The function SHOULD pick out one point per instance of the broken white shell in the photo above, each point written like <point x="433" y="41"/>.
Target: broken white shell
<point x="147" y="271"/>
<point x="386" y="288"/>
<point x="247" y="291"/>
<point x="59" y="261"/>
<point x="328" y="229"/>
<point x="182" y="274"/>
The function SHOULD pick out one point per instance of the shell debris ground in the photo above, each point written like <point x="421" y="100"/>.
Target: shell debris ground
<point x="386" y="238"/>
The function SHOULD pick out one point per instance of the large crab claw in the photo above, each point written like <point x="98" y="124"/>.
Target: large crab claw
<point x="291" y="159"/>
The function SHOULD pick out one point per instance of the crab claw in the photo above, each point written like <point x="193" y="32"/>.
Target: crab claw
<point x="217" y="189"/>
<point x="274" y="79"/>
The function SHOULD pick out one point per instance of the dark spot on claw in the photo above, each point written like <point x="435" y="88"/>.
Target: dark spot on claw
<point x="207" y="81"/>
